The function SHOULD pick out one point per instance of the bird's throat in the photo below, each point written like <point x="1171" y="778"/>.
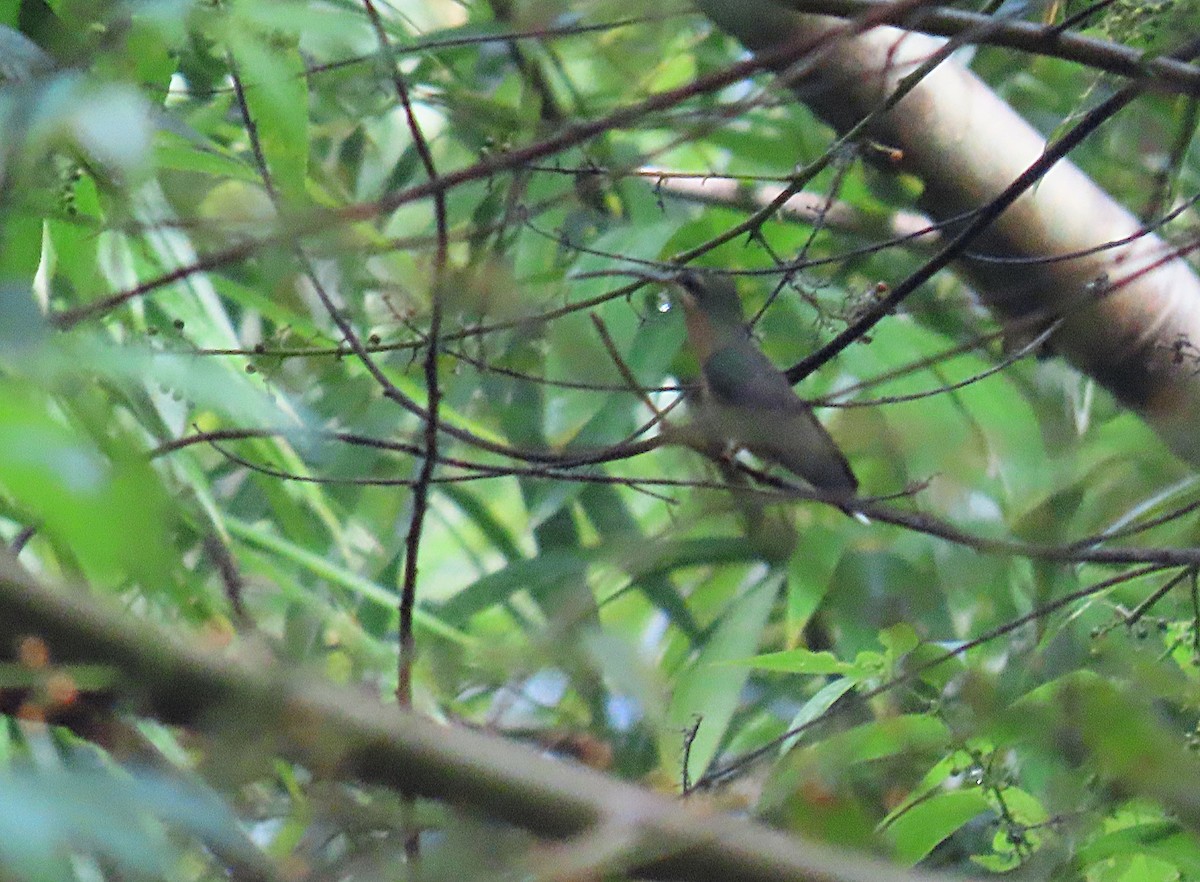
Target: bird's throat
<point x="701" y="334"/>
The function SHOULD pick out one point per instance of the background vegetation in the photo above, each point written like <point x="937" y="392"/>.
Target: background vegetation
<point x="327" y="358"/>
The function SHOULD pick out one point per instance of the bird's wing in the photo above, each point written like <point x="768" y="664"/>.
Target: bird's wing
<point x="739" y="375"/>
<point x="755" y="406"/>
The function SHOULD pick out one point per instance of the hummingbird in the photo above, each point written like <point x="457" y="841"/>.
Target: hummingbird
<point x="746" y="400"/>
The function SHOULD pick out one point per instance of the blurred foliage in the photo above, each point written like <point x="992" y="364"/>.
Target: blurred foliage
<point x="212" y="158"/>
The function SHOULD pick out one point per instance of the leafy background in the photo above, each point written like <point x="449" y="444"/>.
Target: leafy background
<point x="228" y="164"/>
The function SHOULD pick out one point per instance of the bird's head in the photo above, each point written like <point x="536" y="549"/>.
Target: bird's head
<point x="713" y="295"/>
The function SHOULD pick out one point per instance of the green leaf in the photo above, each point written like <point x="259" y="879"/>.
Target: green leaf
<point x="898" y="641"/>
<point x="815" y="707"/>
<point x="922" y="827"/>
<point x="86" y="500"/>
<point x="275" y="85"/>
<point x="356" y="584"/>
<point x="1164" y="840"/>
<point x="20" y="57"/>
<point x="810" y="571"/>
<point x="711" y="690"/>
<point x="612" y="519"/>
<point x="174" y="151"/>
<point x="798" y="661"/>
<point x="537" y="575"/>
<point x="887" y="737"/>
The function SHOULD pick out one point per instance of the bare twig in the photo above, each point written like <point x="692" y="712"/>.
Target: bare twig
<point x="420" y="504"/>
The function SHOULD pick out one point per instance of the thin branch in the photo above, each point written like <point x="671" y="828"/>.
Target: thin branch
<point x="433" y="390"/>
<point x="631" y="381"/>
<point x="1139" y="612"/>
<point x="774" y="489"/>
<point x="1006" y="362"/>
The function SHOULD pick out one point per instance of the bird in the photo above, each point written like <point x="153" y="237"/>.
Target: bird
<point x="748" y="402"/>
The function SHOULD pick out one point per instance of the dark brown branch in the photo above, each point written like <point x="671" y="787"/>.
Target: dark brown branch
<point x="433" y="389"/>
<point x="774" y="489"/>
